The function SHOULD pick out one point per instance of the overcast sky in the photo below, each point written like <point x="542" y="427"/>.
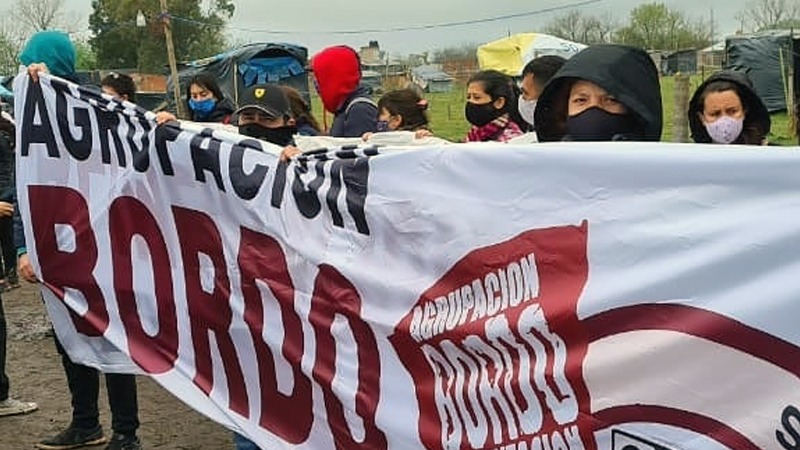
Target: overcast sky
<point x="312" y="20"/>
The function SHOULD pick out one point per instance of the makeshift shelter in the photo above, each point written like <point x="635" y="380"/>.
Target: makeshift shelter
<point x="711" y="57"/>
<point x="431" y="78"/>
<point x="238" y="69"/>
<point x="509" y="55"/>
<point x="681" y="61"/>
<point x="770" y="59"/>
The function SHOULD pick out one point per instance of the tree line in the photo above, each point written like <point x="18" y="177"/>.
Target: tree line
<point x="122" y="38"/>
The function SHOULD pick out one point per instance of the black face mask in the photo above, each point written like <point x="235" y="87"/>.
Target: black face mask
<point x="596" y="124"/>
<point x="480" y="115"/>
<point x="278" y="136"/>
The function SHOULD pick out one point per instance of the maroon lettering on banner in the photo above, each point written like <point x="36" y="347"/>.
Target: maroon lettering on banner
<point x="63" y="269"/>
<point x="209" y="312"/>
<point x="128" y="217"/>
<point x="288" y="416"/>
<point x="334" y="294"/>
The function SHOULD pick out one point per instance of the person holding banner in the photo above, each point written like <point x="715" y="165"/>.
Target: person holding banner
<point x="605" y="92"/>
<point x="52" y="51"/>
<point x="266" y="114"/>
<point x="337" y="74"/>
<point x="8" y="406"/>
<point x="490" y="97"/>
<point x="725" y="109"/>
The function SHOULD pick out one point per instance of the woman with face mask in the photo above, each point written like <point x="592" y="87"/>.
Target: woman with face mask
<point x="402" y="110"/>
<point x="725" y="109"/>
<point x="490" y="96"/>
<point x="206" y="102"/>
<point x="603" y="93"/>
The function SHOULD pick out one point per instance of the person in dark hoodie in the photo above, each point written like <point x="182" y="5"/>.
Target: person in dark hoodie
<point x="53" y="52"/>
<point x="206" y="102"/>
<point x="337" y="74"/>
<point x="603" y="93"/>
<point x="725" y="109"/>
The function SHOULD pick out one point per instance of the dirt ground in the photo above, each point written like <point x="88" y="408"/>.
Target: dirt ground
<point x="36" y="375"/>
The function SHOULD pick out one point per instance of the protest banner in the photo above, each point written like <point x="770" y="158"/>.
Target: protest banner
<point x="614" y="296"/>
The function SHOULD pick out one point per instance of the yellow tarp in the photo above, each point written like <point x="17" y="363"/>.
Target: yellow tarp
<point x="509" y="55"/>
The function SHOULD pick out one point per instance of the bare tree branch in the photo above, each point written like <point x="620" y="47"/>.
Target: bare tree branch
<point x="38" y="15"/>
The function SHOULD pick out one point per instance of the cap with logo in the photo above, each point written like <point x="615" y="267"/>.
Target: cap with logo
<point x="267" y="98"/>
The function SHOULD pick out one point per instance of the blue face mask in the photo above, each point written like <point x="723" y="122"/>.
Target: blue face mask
<point x="382" y="126"/>
<point x="203" y="107"/>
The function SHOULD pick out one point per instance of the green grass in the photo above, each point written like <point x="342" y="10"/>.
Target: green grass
<point x="446" y="113"/>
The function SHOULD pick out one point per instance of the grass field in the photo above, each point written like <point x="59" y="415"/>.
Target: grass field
<point x="446" y="113"/>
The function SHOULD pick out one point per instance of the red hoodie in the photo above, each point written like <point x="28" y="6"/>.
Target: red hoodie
<point x="337" y="71"/>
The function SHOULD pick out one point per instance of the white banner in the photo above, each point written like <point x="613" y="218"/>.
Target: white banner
<point x="616" y="296"/>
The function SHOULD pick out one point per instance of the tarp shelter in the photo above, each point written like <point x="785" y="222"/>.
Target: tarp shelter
<point x="681" y="61"/>
<point x="767" y="57"/>
<point x="431" y="78"/>
<point x="509" y="55"/>
<point x="240" y="68"/>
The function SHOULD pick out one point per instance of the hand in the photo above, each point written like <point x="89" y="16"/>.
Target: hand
<point x="290" y="152"/>
<point x="35" y="69"/>
<point x="25" y="269"/>
<point x="423" y="133"/>
<point x="163" y="117"/>
<point x="6" y="209"/>
<point x="365" y="137"/>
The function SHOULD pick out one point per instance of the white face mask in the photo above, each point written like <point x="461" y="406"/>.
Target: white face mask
<point x="526" y="109"/>
<point x="725" y="130"/>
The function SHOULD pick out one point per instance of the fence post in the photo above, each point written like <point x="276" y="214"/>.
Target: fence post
<point x="680" y="109"/>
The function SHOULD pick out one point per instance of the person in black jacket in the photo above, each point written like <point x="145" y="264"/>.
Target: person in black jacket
<point x="337" y="74"/>
<point x="7" y="194"/>
<point x="725" y="109"/>
<point x="8" y="406"/>
<point x="605" y="92"/>
<point x="206" y="102"/>
<point x="53" y="52"/>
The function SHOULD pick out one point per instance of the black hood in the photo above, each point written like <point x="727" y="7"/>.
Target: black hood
<point x="625" y="72"/>
<point x="756" y="113"/>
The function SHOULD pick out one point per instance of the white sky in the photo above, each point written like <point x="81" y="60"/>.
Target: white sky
<point x="310" y="20"/>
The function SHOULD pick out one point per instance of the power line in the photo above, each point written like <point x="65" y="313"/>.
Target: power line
<point x="412" y="27"/>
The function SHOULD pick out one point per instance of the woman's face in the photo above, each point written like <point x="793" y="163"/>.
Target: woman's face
<point x="585" y="94"/>
<point x="725" y="103"/>
<point x="200" y="93"/>
<point x="477" y="95"/>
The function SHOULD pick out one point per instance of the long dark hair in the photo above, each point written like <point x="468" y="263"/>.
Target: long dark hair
<point x="206" y="82"/>
<point x="752" y="133"/>
<point x="408" y="105"/>
<point x="301" y="111"/>
<point x="497" y="84"/>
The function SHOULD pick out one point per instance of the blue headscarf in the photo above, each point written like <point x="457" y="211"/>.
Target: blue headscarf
<point x="52" y="48"/>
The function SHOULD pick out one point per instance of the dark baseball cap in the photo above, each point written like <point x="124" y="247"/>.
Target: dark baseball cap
<point x="267" y="98"/>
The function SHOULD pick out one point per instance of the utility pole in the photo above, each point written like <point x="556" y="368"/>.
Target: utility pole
<point x="173" y="66"/>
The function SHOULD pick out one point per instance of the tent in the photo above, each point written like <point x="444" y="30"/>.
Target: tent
<point x="767" y="57"/>
<point x="509" y="55"/>
<point x="238" y="69"/>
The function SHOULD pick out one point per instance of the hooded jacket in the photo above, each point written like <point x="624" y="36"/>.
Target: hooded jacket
<point x="54" y="49"/>
<point x="337" y="71"/>
<point x="627" y="73"/>
<point x="756" y="113"/>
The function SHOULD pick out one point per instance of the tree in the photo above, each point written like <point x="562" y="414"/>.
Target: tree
<point x="574" y="26"/>
<point x="86" y="58"/>
<point x="653" y="26"/>
<point x="38" y="15"/>
<point x="119" y="43"/>
<point x="770" y="14"/>
<point x="11" y="40"/>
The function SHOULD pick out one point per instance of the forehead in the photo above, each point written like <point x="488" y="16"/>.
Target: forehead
<point x="721" y="100"/>
<point x="476" y="87"/>
<point x="109" y="90"/>
<point x="197" y="88"/>
<point x="587" y="87"/>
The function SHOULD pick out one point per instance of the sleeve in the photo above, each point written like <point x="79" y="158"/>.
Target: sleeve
<point x="19" y="232"/>
<point x="362" y="118"/>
